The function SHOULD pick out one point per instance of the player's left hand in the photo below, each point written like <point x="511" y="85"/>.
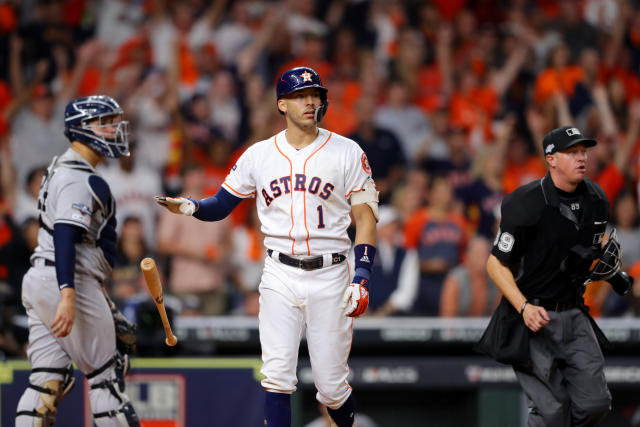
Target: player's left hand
<point x="356" y="298"/>
<point x="65" y="314"/>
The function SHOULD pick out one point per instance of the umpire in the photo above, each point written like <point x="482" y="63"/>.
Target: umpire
<point x="551" y="231"/>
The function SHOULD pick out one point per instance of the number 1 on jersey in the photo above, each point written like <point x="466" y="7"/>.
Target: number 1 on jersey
<point x="320" y="217"/>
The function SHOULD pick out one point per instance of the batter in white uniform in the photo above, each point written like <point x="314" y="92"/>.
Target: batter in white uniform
<point x="69" y="317"/>
<point x="306" y="182"/>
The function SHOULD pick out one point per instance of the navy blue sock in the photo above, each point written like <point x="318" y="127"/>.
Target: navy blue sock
<point x="277" y="409"/>
<point x="344" y="415"/>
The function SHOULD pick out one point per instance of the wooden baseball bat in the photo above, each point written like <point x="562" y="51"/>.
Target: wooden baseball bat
<point x="151" y="276"/>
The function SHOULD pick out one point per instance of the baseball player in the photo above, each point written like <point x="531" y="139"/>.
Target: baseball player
<point x="306" y="181"/>
<point x="69" y="317"/>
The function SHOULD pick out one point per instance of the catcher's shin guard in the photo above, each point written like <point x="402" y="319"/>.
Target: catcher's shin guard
<point x="45" y="398"/>
<point x="110" y="405"/>
<point x="125" y="415"/>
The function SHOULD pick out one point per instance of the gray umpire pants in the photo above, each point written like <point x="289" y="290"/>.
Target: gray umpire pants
<point x="567" y="386"/>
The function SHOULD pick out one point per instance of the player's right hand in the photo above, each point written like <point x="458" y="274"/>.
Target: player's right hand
<point x="535" y="317"/>
<point x="65" y="314"/>
<point x="177" y="205"/>
<point x="356" y="299"/>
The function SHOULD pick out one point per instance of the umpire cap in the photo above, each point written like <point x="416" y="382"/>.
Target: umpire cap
<point x="563" y="138"/>
<point x="298" y="78"/>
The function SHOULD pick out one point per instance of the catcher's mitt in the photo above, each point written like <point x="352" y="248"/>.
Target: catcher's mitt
<point x="125" y="333"/>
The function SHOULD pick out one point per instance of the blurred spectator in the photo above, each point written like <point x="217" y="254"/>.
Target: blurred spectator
<point x="311" y="48"/>
<point x="216" y="164"/>
<point x="482" y="198"/>
<point x="14" y="263"/>
<point x="150" y="106"/>
<point x="30" y="227"/>
<point x="134" y="187"/>
<point x="118" y="21"/>
<point x="247" y="262"/>
<point x="522" y="166"/>
<point x="198" y="256"/>
<point x="576" y="31"/>
<point x="625" y="218"/>
<point x="224" y="107"/>
<point x="26" y="204"/>
<point x="411" y="195"/>
<point x="435" y="146"/>
<point x="37" y="132"/>
<point x="301" y="22"/>
<point x="126" y="278"/>
<point x="407" y="122"/>
<point x="382" y="148"/>
<point x="457" y="165"/>
<point x="438" y="233"/>
<point x="395" y="272"/>
<point x="560" y="75"/>
<point x="468" y="291"/>
<point x="634" y="295"/>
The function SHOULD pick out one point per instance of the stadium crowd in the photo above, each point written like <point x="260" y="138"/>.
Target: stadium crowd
<point x="450" y="99"/>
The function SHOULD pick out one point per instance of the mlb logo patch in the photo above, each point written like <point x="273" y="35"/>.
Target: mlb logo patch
<point x="573" y="131"/>
<point x="83" y="209"/>
<point x="549" y="148"/>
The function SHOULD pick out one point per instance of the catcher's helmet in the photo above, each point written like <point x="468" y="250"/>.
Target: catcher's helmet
<point x="609" y="261"/>
<point x="81" y="111"/>
<point x="299" y="78"/>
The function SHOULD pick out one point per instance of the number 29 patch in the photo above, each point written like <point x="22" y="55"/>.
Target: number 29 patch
<point x="504" y="241"/>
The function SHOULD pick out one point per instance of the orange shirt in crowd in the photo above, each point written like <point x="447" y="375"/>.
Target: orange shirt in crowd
<point x="611" y="180"/>
<point x="449" y="8"/>
<point x="429" y="92"/>
<point x="8" y="18"/>
<point x="517" y="175"/>
<point x="594" y="296"/>
<point x="467" y="109"/>
<point x="634" y="271"/>
<point x="552" y="80"/>
<point x="341" y="116"/>
<point x="630" y="80"/>
<point x="416" y="222"/>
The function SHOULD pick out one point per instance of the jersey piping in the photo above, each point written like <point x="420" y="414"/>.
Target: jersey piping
<point x="293" y="245"/>
<point x="225" y="184"/>
<point x="304" y="171"/>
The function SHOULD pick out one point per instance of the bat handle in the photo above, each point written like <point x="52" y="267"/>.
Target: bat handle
<point x="171" y="339"/>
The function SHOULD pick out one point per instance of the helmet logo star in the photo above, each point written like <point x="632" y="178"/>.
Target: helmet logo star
<point x="306" y="76"/>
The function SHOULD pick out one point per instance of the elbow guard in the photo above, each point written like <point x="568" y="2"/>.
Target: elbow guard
<point x="368" y="195"/>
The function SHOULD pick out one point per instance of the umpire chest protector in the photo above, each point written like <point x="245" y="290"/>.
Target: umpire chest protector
<point x="549" y="237"/>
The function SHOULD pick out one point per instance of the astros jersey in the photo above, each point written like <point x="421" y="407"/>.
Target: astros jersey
<point x="303" y="196"/>
<point x="66" y="197"/>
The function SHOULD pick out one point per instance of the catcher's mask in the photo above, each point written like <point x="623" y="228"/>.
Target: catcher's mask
<point x="609" y="261"/>
<point x="113" y="140"/>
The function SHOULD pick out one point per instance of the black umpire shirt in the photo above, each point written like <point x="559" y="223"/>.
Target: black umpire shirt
<point x="542" y="230"/>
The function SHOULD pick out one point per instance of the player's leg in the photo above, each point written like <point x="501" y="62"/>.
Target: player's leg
<point x="329" y="334"/>
<point x="584" y="374"/>
<point x="51" y="375"/>
<point x="281" y="326"/>
<point x="92" y="345"/>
